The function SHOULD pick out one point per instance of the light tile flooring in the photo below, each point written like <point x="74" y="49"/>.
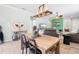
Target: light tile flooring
<point x="13" y="47"/>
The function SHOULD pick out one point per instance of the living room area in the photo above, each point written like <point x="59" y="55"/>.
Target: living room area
<point x="53" y="28"/>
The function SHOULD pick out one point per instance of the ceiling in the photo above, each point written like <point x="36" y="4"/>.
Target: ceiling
<point x="65" y="9"/>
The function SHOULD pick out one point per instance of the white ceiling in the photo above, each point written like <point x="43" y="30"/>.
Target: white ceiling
<point x="65" y="9"/>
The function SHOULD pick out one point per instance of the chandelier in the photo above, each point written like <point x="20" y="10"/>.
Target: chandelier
<point x="42" y="11"/>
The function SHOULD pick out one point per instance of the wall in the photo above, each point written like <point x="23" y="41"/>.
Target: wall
<point x="10" y="15"/>
<point x="73" y="25"/>
<point x="46" y="20"/>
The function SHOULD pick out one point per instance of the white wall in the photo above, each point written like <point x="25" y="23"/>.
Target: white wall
<point x="67" y="23"/>
<point x="10" y="15"/>
<point x="74" y="25"/>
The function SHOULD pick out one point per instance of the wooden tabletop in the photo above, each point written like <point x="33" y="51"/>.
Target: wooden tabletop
<point x="46" y="42"/>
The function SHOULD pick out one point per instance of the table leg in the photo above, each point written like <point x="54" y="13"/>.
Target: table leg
<point x="57" y="50"/>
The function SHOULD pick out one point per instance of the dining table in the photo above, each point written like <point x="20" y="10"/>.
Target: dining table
<point x="47" y="44"/>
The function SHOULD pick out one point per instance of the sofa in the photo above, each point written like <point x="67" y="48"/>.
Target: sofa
<point x="51" y="32"/>
<point x="74" y="37"/>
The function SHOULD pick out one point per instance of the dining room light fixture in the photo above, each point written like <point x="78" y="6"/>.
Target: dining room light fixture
<point x="42" y="11"/>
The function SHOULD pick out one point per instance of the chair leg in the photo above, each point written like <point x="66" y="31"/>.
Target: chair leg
<point x="57" y="50"/>
<point x="22" y="51"/>
<point x="26" y="50"/>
